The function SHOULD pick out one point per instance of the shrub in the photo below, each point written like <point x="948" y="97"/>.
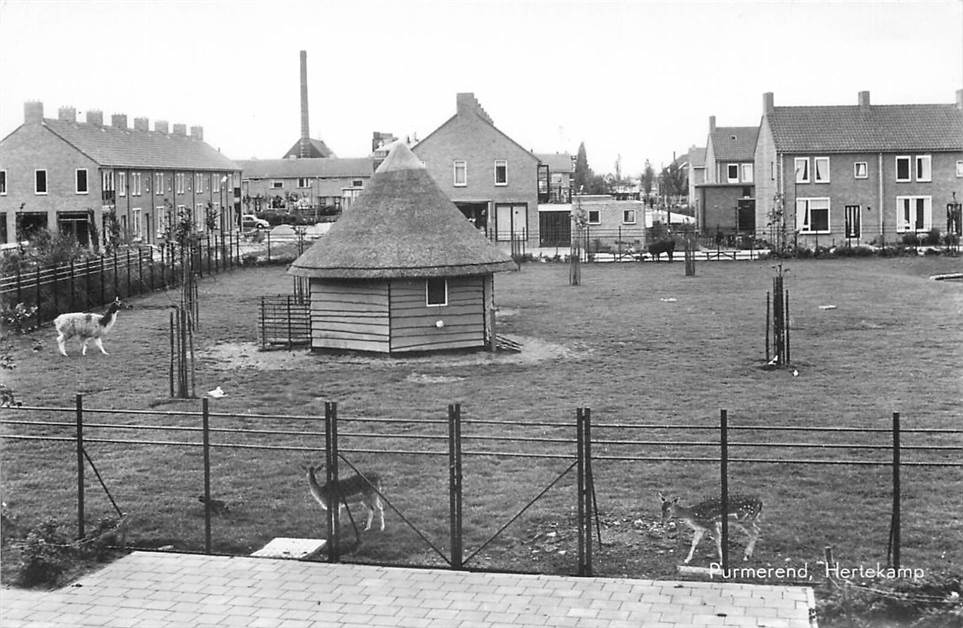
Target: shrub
<point x="854" y="251"/>
<point x="910" y="239"/>
<point x="951" y="239"/>
<point x="804" y="253"/>
<point x="932" y="237"/>
<point x="19" y="318"/>
<point x="44" y="555"/>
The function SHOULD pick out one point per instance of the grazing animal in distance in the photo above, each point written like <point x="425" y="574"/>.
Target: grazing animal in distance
<point x="355" y="490"/>
<point x="656" y="249"/>
<point x="742" y="510"/>
<point x="87" y="327"/>
<point x="218" y="506"/>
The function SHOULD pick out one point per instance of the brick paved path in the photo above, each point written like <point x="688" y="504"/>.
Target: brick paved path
<point x="152" y="589"/>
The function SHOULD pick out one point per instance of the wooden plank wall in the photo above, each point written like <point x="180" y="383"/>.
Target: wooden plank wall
<point x="350" y="315"/>
<point x="413" y="322"/>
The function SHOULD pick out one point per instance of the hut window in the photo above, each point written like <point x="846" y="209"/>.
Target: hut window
<point x="436" y="292"/>
<point x="460" y="173"/>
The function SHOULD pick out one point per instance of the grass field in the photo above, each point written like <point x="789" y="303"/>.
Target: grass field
<point x="618" y="344"/>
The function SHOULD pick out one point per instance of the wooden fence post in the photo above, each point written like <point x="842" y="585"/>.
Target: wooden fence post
<point x="454" y="484"/>
<point x="331" y="472"/>
<point x="724" y="477"/>
<point x="205" y="423"/>
<point x="80" y="465"/>
<point x="895" y="531"/>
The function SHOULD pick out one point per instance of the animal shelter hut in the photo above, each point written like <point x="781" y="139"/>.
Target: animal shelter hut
<point x="402" y="270"/>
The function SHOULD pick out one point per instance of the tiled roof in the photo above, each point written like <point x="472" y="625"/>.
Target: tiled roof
<point x="557" y="162"/>
<point x="873" y="128"/>
<point x="734" y="143"/>
<point x="119" y="148"/>
<point x="317" y="148"/>
<point x="316" y="167"/>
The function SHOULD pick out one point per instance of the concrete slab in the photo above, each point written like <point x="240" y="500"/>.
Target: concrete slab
<point x="166" y="589"/>
<point x="285" y="547"/>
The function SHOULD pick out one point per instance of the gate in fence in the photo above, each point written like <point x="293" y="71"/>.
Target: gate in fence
<point x="284" y="320"/>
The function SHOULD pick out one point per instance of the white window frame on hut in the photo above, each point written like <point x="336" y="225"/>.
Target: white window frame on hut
<point x="428" y="291"/>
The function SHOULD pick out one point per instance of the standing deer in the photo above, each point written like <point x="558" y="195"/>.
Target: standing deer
<point x="742" y="510"/>
<point x="356" y="489"/>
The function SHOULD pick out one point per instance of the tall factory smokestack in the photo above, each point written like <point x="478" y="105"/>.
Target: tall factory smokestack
<point x="305" y="133"/>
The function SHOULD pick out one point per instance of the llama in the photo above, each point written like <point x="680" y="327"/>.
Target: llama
<point x="86" y="326"/>
<point x="356" y="489"/>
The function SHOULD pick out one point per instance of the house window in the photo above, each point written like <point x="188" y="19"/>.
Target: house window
<point x="198" y="182"/>
<point x="861" y="170"/>
<point x="902" y="168"/>
<point x="812" y="215"/>
<point x="40" y="181"/>
<point x="304" y="182"/>
<point x="158" y="183"/>
<point x="179" y="183"/>
<point x="135" y="183"/>
<point x="801" y="169"/>
<point x="164" y="221"/>
<point x="3" y="182"/>
<point x="821" y="166"/>
<point x="732" y="173"/>
<point x="914" y="213"/>
<point x="277" y="185"/>
<point x="107" y="180"/>
<point x="594" y="217"/>
<point x="924" y="168"/>
<point x="501" y="172"/>
<point x="959" y="168"/>
<point x="459" y="173"/>
<point x="122" y="184"/>
<point x="747" y="173"/>
<point x="772" y="171"/>
<point x="436" y="292"/>
<point x="628" y="216"/>
<point x="81" y="178"/>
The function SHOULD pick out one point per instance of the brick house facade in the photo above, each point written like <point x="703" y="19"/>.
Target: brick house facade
<point x="858" y="174"/>
<point x="64" y="175"/>
<point x="317" y="182"/>
<point x="725" y="201"/>
<point x="490" y="177"/>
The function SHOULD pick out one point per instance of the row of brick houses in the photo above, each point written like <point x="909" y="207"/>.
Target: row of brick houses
<point x="64" y="174"/>
<point x="829" y="175"/>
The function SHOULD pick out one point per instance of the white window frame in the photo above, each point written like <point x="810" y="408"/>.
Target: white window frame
<point x="46" y="182"/>
<point x="923" y="160"/>
<point x="428" y="302"/>
<point x="3" y="182"/>
<point x="598" y="216"/>
<point x="746" y="172"/>
<point x="903" y="226"/>
<point x="179" y="183"/>
<point x="277" y="184"/>
<point x="135" y="183"/>
<point x="909" y="168"/>
<point x="200" y="217"/>
<point x="77" y="189"/>
<point x="304" y="182"/>
<point x="503" y="163"/>
<point x="856" y="165"/>
<point x="797" y="172"/>
<point x="158" y="183"/>
<point x="804" y="211"/>
<point x="136" y="223"/>
<point x="121" y="184"/>
<point x="198" y="183"/>
<point x="626" y="220"/>
<point x="729" y="176"/>
<point x="456" y="165"/>
<point x="959" y="167"/>
<point x="107" y="180"/>
<point x="816" y="177"/>
<point x="164" y="221"/>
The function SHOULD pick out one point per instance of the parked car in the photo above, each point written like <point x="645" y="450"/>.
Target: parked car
<point x="250" y="221"/>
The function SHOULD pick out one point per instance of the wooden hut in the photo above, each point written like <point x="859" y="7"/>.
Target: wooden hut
<point x="402" y="270"/>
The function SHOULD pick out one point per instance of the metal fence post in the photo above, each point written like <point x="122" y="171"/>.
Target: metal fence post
<point x="331" y="479"/>
<point x="80" y="465"/>
<point x="205" y="422"/>
<point x="724" y="477"/>
<point x="589" y="485"/>
<point x="895" y="533"/>
<point x="454" y="484"/>
<point x="580" y="487"/>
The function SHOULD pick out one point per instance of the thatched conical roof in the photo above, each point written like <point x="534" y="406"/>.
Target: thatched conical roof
<point x="402" y="225"/>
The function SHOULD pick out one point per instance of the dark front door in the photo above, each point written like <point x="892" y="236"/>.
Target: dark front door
<point x="554" y="228"/>
<point x="746" y="215"/>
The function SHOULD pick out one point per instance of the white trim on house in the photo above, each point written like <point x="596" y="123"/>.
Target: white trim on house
<point x="857" y="170"/>
<point x="804" y="211"/>
<point x="800" y="167"/>
<point x="122" y="183"/>
<point x="3" y="182"/>
<point x="456" y="166"/>
<point x="503" y="163"/>
<point x="909" y="168"/>
<point x="729" y="170"/>
<point x="817" y="173"/>
<point x="598" y="216"/>
<point x="959" y="167"/>
<point x="923" y="169"/>
<point x="86" y="181"/>
<point x="746" y="172"/>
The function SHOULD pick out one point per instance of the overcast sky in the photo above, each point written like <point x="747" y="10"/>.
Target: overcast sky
<point x="630" y="78"/>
